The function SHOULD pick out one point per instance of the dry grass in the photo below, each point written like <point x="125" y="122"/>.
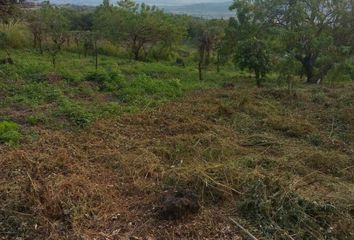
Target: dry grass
<point x="281" y="163"/>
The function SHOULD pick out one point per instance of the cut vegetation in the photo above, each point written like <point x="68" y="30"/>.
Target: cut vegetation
<point x="236" y="150"/>
<point x="125" y="122"/>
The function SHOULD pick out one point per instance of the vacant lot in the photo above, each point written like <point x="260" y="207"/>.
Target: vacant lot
<point x="279" y="163"/>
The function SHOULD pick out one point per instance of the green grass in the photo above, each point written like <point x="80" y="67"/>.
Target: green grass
<point x="74" y="93"/>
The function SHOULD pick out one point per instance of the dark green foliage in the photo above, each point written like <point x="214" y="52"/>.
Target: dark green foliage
<point x="144" y="31"/>
<point x="9" y="10"/>
<point x="75" y="113"/>
<point x="252" y="54"/>
<point x="107" y="81"/>
<point x="3" y="40"/>
<point x="98" y="77"/>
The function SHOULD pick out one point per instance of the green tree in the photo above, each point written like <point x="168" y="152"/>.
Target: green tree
<point x="128" y="5"/>
<point x="309" y="29"/>
<point x="4" y="41"/>
<point x="140" y="30"/>
<point x="252" y="54"/>
<point x="37" y="27"/>
<point x="56" y="26"/>
<point x="9" y="13"/>
<point x="210" y="35"/>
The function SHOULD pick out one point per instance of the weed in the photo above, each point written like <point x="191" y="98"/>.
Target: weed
<point x="281" y="213"/>
<point x="143" y="90"/>
<point x="9" y="133"/>
<point x="315" y="139"/>
<point x="36" y="119"/>
<point x="75" y="113"/>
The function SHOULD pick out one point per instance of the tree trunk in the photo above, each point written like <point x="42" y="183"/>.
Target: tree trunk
<point x="96" y="56"/>
<point x="322" y="73"/>
<point x="54" y="61"/>
<point x="200" y="68"/>
<point x="35" y="41"/>
<point x="258" y="78"/>
<point x="40" y="45"/>
<point x="308" y="64"/>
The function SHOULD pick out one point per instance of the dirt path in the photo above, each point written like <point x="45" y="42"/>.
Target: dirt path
<point x="106" y="182"/>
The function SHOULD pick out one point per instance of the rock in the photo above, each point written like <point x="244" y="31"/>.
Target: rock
<point x="178" y="204"/>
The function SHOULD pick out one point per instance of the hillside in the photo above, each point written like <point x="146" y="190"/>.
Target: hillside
<point x="130" y="123"/>
<point x="204" y="8"/>
<point x="241" y="152"/>
<point x="209" y="10"/>
<point x="150" y="2"/>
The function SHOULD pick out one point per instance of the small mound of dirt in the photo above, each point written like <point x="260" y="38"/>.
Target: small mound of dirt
<point x="178" y="204"/>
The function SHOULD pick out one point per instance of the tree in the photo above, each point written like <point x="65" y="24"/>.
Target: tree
<point x="252" y="54"/>
<point x="9" y="10"/>
<point x="128" y="5"/>
<point x="140" y="30"/>
<point x="4" y="41"/>
<point x="209" y="36"/>
<point x="37" y="27"/>
<point x="218" y="29"/>
<point x="307" y="28"/>
<point x="56" y="26"/>
<point x="204" y="49"/>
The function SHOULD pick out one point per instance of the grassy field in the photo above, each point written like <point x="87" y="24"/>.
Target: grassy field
<point x="74" y="94"/>
<point x="88" y="154"/>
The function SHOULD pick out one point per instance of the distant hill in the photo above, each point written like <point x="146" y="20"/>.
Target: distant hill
<point x="209" y="10"/>
<point x="201" y="8"/>
<point x="150" y="2"/>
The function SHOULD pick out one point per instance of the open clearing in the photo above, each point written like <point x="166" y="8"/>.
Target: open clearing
<point x="279" y="163"/>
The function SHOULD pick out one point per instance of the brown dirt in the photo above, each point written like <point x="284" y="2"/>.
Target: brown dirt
<point x="106" y="181"/>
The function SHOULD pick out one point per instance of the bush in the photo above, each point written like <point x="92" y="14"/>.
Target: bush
<point x="108" y="81"/>
<point x="98" y="77"/>
<point x="75" y="113"/>
<point x="9" y="133"/>
<point x="18" y="35"/>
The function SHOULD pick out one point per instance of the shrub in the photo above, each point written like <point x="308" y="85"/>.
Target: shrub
<point x="98" y="77"/>
<point x="315" y="139"/>
<point x="18" y="35"/>
<point x="108" y="81"/>
<point x="75" y="113"/>
<point x="9" y="133"/>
